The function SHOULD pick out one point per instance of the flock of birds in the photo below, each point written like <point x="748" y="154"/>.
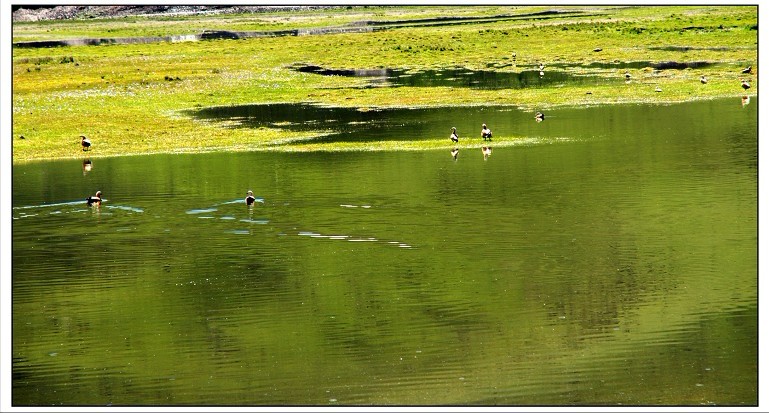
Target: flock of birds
<point x="95" y="200"/>
<point x="704" y="80"/>
<point x="539" y="116"/>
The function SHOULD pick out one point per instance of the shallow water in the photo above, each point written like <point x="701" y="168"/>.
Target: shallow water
<point x="513" y="75"/>
<point x="612" y="261"/>
<point x="525" y="77"/>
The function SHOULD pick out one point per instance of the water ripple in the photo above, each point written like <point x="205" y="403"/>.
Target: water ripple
<point x="351" y="238"/>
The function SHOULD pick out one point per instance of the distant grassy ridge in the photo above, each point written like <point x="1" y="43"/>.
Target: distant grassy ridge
<point x="128" y="97"/>
<point x="352" y="27"/>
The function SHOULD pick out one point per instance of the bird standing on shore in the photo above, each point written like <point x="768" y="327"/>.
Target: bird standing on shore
<point x="748" y="69"/>
<point x="250" y="198"/>
<point x="94" y="200"/>
<point x="703" y="79"/>
<point x="745" y="85"/>
<point x="485" y="132"/>
<point x="85" y="142"/>
<point x="454" y="137"/>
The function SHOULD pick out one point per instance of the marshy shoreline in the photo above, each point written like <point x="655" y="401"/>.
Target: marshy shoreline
<point x="130" y="98"/>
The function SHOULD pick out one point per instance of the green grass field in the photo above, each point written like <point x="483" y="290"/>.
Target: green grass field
<point x="122" y="98"/>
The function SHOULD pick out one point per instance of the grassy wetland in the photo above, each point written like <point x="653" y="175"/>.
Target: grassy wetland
<point x="132" y="98"/>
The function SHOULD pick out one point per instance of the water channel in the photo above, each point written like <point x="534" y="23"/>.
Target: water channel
<point x="610" y="260"/>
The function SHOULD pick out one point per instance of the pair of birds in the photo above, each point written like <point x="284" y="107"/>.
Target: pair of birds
<point x="96" y="199"/>
<point x="485" y="134"/>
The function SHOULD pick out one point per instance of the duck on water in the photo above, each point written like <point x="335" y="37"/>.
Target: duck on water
<point x="94" y="200"/>
<point x="250" y="199"/>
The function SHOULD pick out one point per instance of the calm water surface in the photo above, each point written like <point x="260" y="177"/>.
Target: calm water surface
<point x="612" y="261"/>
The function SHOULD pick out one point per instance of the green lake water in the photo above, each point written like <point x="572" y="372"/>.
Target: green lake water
<point x="609" y="259"/>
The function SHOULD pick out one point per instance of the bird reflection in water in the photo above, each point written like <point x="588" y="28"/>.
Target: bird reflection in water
<point x="87" y="165"/>
<point x="745" y="101"/>
<point x="454" y="153"/>
<point x="486" y="152"/>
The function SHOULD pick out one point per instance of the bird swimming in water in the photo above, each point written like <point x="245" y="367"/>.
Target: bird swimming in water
<point x="454" y="137"/>
<point x="539" y="116"/>
<point x="85" y="142"/>
<point x="250" y="198"/>
<point x="703" y="79"/>
<point x="748" y="69"/>
<point x="94" y="200"/>
<point x="454" y="153"/>
<point x="627" y="76"/>
<point x="485" y="132"/>
<point x="745" y="85"/>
